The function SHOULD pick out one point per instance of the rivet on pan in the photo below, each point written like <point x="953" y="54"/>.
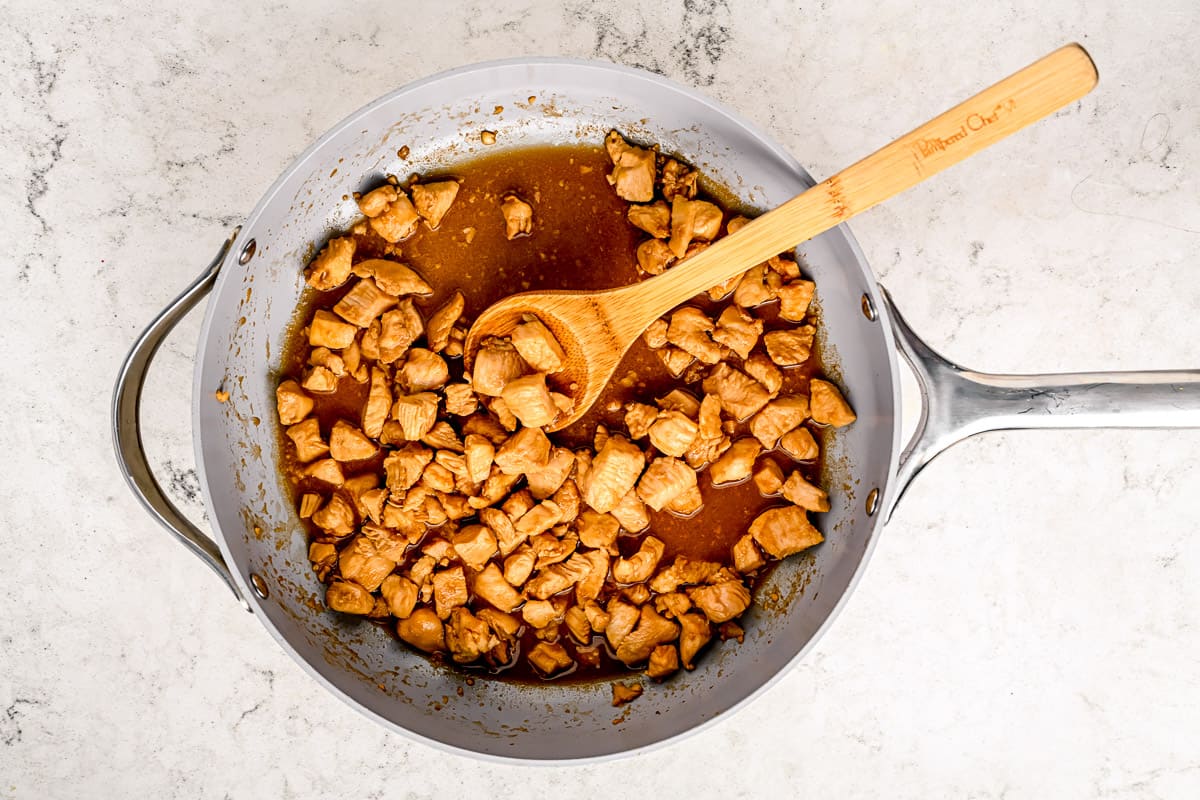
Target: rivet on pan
<point x="872" y="502"/>
<point x="247" y="252"/>
<point x="260" y="586"/>
<point x="868" y="308"/>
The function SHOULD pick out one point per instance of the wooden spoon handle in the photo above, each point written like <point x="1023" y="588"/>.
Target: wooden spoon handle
<point x="1025" y="97"/>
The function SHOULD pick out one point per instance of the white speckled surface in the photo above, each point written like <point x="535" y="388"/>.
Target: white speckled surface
<point x="1030" y="623"/>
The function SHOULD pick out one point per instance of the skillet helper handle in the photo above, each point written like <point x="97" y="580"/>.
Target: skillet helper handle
<point x="127" y="433"/>
<point x="957" y="403"/>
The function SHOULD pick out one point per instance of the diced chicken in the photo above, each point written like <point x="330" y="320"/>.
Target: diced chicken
<point x="651" y="631"/>
<point x="695" y="633"/>
<point x="741" y="396"/>
<point x="449" y="590"/>
<point x="753" y="290"/>
<point x="789" y="348"/>
<point x="622" y="618"/>
<point x="519" y="566"/>
<point x="613" y="474"/>
<point x="326" y="470"/>
<point x="550" y="549"/>
<point x="800" y="444"/>
<point x="672" y="604"/>
<point x="540" y="613"/>
<point x="633" y="169"/>
<point x="737" y="463"/>
<point x="529" y="400"/>
<point x="569" y="500"/>
<point x="376" y="201"/>
<point x="518" y="217"/>
<point x="528" y="450"/>
<point x="403" y="468"/>
<point x="664" y="660"/>
<point x="794" y="299"/>
<point x="677" y="179"/>
<point x="423" y="630"/>
<point x="675" y="360"/>
<point x="656" y="334"/>
<point x="475" y="545"/>
<point x="393" y="277"/>
<point x="391" y="544"/>
<point x="547" y="480"/>
<point x="400" y="327"/>
<point x="326" y="330"/>
<point x="538" y="347"/>
<point x="673" y="433"/>
<point x="746" y="555"/>
<point x="597" y="617"/>
<point x="683" y="571"/>
<point x="349" y="598"/>
<point x="721" y="601"/>
<point x="640" y="566"/>
<point x="306" y="436"/>
<point x="518" y="504"/>
<point x="422" y="370"/>
<point x="664" y="480"/>
<point x="332" y="266"/>
<point x="558" y="577"/>
<point x="549" y="659"/>
<point x="541" y="517"/>
<point x="692" y="219"/>
<point x="361" y="562"/>
<point x="348" y="443"/>
<point x="686" y="503"/>
<point x="324" y="357"/>
<point x="319" y="380"/>
<point x="368" y="347"/>
<point x="460" y="399"/>
<point x="653" y="218"/>
<point x="600" y="438"/>
<point x="828" y="405"/>
<point x="496" y="363"/>
<point x="591" y="585"/>
<point x="577" y="625"/>
<point x="763" y="369"/>
<point x="505" y="627"/>
<point x="492" y="587"/>
<point x="400" y="594"/>
<point x="363" y="303"/>
<point x="443" y="437"/>
<point x="397" y="221"/>
<point x="479" y="453"/>
<point x="654" y="256"/>
<point x="597" y="530"/>
<point x="689" y="330"/>
<point x="336" y="518"/>
<point x="433" y="200"/>
<point x="638" y="419"/>
<point x="437" y="332"/>
<point x="497" y="485"/>
<point x="738" y="330"/>
<point x="309" y="503"/>
<point x="631" y="513"/>
<point x="502" y="412"/>
<point x="379" y="403"/>
<point x="723" y="289"/>
<point x="625" y="693"/>
<point x="416" y="414"/>
<point x="636" y="593"/>
<point x="784" y="531"/>
<point x="468" y="637"/>
<point x="799" y="491"/>
<point x="778" y="417"/>
<point x="486" y="426"/>
<point x="768" y="478"/>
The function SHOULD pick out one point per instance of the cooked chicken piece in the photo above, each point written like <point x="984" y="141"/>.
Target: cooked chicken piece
<point x="656" y="334"/>
<point x="686" y="503"/>
<point x="326" y="330"/>
<point x="689" y="329"/>
<point x="433" y="200"/>
<point x="633" y="169"/>
<point x="423" y="630"/>
<point x="449" y="590"/>
<point x="363" y="303"/>
<point x="336" y="518"/>
<point x="393" y="277"/>
<point x="348" y="443"/>
<point x="399" y="328"/>
<point x="437" y="332"/>
<point x="547" y="480"/>
<point x="651" y="631"/>
<point x="664" y="480"/>
<point x="800" y="444"/>
<point x="379" y="403"/>
<point x="443" y="437"/>
<point x="597" y="617"/>
<point x="631" y="512"/>
<point x="673" y="433"/>
<point x="518" y="503"/>
<point x="519" y="566"/>
<point x="518" y="217"/>
<point x="541" y="517"/>
<point x="653" y="218"/>
<point x="309" y="503"/>
<point x="577" y="625"/>
<point x="496" y="363"/>
<point x="789" y="348"/>
<point x="460" y="399"/>
<point x="390" y="544"/>
<point x="455" y="506"/>
<point x="753" y="290"/>
<point x="549" y="659"/>
<point x="558" y="577"/>
<point x="741" y="396"/>
<point x="352" y="362"/>
<point x="638" y="419"/>
<point x="529" y="399"/>
<point x="794" y="299"/>
<point x="640" y="566"/>
<point x="326" y="470"/>
<point x="505" y="627"/>
<point x="724" y="288"/>
<point x="828" y="405"/>
<point x="492" y="587"/>
<point x="622" y="618"/>
<point x="497" y="485"/>
<point x="486" y="426"/>
<point x="331" y="268"/>
<point x="479" y="453"/>
<point x="682" y="571"/>
<point x="306" y="435"/>
<point x="537" y="346"/>
<point x="550" y="549"/>
<point x="677" y="179"/>
<point x="590" y="586"/>
<point x="403" y="468"/>
<point x="422" y="370"/>
<point x="569" y="500"/>
<point x="323" y="557"/>
<point x="674" y="359"/>
<point x="319" y="380"/>
<point x="664" y="660"/>
<point x="502" y="413"/>
<point x="400" y="594"/>
<point x="784" y="531"/>
<point x="475" y="545"/>
<point x="416" y="414"/>
<point x="654" y="256"/>
<point x="783" y="265"/>
<point x="763" y="369"/>
<point x="597" y="530"/>
<point x="349" y="598"/>
<point x="539" y="613"/>
<point x="738" y="330"/>
<point x="369" y="345"/>
<point x="397" y="221"/>
<point x="692" y="219"/>
<point x="721" y="601"/>
<point x="468" y="637"/>
<point x="768" y="478"/>
<point x="736" y="463"/>
<point x="625" y="693"/>
<point x="778" y="417"/>
<point x="614" y="473"/>
<point x="672" y="604"/>
<point x="746" y="555"/>
<point x="528" y="450"/>
<point x="420" y="572"/>
<point x="696" y="632"/>
<point x="799" y="491"/>
<point x="324" y="357"/>
<point x="361" y="562"/>
<point x="376" y="201"/>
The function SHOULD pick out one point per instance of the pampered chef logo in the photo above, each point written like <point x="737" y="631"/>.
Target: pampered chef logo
<point x="974" y="121"/>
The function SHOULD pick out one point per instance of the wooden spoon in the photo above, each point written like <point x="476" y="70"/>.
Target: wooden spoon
<point x="595" y="329"/>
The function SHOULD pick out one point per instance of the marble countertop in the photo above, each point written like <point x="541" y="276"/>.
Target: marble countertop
<point x="1030" y="623"/>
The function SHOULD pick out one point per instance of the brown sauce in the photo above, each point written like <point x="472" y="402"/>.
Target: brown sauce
<point x="581" y="240"/>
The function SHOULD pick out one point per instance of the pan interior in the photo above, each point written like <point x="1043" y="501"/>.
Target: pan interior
<point x="439" y="122"/>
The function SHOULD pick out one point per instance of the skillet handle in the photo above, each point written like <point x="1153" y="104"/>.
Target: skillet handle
<point x="957" y="403"/>
<point x="127" y="434"/>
